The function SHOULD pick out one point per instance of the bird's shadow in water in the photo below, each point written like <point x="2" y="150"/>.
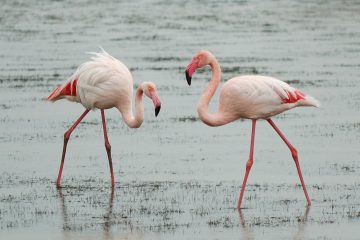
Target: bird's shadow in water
<point x="67" y="227"/>
<point x="248" y="232"/>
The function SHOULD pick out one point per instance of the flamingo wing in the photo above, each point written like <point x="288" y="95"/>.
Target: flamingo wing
<point x="268" y="90"/>
<point x="284" y="91"/>
<point x="257" y="96"/>
<point x="289" y="94"/>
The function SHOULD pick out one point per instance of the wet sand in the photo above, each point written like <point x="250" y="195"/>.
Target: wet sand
<point x="175" y="177"/>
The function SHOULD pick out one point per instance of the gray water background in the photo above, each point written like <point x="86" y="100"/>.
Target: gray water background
<point x="177" y="178"/>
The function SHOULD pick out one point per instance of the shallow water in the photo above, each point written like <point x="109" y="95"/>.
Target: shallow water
<point x="175" y="177"/>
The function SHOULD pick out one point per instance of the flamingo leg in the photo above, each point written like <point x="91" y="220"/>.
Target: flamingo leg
<point x="295" y="157"/>
<point x="66" y="140"/>
<point x="107" y="147"/>
<point x="248" y="164"/>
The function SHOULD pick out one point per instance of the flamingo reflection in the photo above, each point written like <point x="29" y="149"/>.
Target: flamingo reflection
<point x="248" y="233"/>
<point x="67" y="227"/>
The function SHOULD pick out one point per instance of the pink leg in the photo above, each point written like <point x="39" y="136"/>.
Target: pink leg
<point x="108" y="147"/>
<point x="248" y="164"/>
<point x="66" y="139"/>
<point x="295" y="157"/>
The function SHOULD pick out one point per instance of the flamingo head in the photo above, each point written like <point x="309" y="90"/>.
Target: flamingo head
<point x="201" y="59"/>
<point x="150" y="91"/>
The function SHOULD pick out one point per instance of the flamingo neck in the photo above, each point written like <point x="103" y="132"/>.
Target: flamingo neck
<point x="131" y="120"/>
<point x="211" y="119"/>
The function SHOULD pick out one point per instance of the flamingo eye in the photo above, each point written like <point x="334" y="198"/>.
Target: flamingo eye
<point x="200" y="59"/>
<point x="150" y="89"/>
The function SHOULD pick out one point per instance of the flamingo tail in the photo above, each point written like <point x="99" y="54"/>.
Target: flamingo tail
<point x="310" y="101"/>
<point x="64" y="91"/>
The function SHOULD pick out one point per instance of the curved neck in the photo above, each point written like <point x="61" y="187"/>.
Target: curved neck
<point x="131" y="120"/>
<point x="211" y="119"/>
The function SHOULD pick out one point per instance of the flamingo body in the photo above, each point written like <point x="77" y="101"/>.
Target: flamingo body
<point x="104" y="82"/>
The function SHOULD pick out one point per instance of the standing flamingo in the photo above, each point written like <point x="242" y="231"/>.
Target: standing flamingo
<point x="251" y="97"/>
<point x="103" y="83"/>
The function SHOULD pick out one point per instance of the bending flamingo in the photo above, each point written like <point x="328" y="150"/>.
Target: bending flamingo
<point x="251" y="97"/>
<point x="104" y="82"/>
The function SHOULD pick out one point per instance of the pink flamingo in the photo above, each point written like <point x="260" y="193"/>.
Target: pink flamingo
<point x="103" y="83"/>
<point x="251" y="97"/>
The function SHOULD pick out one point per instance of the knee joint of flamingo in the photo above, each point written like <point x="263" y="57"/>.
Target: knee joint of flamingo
<point x="249" y="164"/>
<point x="66" y="135"/>
<point x="108" y="146"/>
<point x="294" y="153"/>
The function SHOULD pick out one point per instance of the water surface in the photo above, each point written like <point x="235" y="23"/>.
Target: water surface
<point x="175" y="177"/>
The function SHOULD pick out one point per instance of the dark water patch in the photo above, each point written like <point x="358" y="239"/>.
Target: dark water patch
<point x="168" y="69"/>
<point x="271" y="28"/>
<point x="164" y="68"/>
<point x="201" y="211"/>
<point x="166" y="227"/>
<point x="92" y="123"/>
<point x="65" y="33"/>
<point x="4" y="106"/>
<point x="164" y="59"/>
<point x="22" y="78"/>
<point x="325" y="73"/>
<point x="138" y="19"/>
<point x="344" y="168"/>
<point x="202" y="17"/>
<point x="74" y="41"/>
<point x="173" y="26"/>
<point x="344" y="127"/>
<point x="154" y="37"/>
<point x="302" y="83"/>
<point x="32" y="82"/>
<point x="23" y="32"/>
<point x="171" y="89"/>
<point x="56" y="75"/>
<point x="186" y="119"/>
<point x="54" y="17"/>
<point x="150" y="185"/>
<point x="240" y="70"/>
<point x="223" y="222"/>
<point x="250" y="59"/>
<point x="287" y="201"/>
<point x="17" y="86"/>
<point x="294" y="82"/>
<point x="29" y="85"/>
<point x="343" y="65"/>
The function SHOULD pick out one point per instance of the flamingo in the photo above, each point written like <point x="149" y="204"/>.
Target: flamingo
<point x="251" y="97"/>
<point x="102" y="83"/>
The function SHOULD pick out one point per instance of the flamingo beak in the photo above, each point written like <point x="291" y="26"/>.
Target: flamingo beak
<point x="190" y="69"/>
<point x="157" y="104"/>
<point x="188" y="77"/>
<point x="157" y="110"/>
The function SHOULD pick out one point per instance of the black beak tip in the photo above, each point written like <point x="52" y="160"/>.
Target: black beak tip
<point x="157" y="110"/>
<point x="188" y="78"/>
